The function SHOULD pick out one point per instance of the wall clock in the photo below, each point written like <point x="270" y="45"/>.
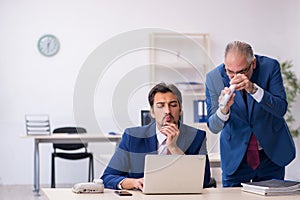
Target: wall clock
<point x="48" y="45"/>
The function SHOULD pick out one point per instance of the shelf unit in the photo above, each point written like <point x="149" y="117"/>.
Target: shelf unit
<point x="184" y="60"/>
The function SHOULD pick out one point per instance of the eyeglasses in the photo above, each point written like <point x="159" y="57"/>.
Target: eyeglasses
<point x="243" y="71"/>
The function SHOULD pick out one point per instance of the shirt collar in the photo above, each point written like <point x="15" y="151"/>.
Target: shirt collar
<point x="160" y="137"/>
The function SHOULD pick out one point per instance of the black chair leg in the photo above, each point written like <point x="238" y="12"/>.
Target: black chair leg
<point x="91" y="169"/>
<point x="212" y="183"/>
<point x="53" y="172"/>
<point x="89" y="178"/>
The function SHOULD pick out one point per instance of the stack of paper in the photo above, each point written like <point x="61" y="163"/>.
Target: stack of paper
<point x="190" y="86"/>
<point x="272" y="187"/>
<point x="37" y="124"/>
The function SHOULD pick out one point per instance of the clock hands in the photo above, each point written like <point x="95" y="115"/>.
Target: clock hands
<point x="48" y="45"/>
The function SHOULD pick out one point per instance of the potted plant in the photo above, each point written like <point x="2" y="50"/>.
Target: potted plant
<point x="292" y="88"/>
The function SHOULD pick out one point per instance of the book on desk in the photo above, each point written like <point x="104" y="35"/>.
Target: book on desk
<point x="272" y="187"/>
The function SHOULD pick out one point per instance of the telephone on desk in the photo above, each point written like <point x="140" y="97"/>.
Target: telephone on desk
<point x="92" y="187"/>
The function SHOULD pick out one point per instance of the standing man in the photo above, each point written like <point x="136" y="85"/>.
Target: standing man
<point x="166" y="135"/>
<point x="255" y="142"/>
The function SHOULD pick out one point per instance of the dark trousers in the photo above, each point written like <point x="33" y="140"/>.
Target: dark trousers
<point x="266" y="170"/>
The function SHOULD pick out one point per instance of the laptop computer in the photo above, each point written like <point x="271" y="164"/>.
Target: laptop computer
<point x="170" y="174"/>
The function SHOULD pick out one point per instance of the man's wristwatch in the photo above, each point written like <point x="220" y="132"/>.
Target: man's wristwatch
<point x="254" y="89"/>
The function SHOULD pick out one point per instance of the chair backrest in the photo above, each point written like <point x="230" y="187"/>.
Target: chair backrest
<point x="70" y="130"/>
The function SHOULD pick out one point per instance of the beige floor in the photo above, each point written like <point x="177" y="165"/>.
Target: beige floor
<point x="20" y="192"/>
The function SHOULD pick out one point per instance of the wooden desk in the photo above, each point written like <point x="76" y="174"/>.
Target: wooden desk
<point x="208" y="194"/>
<point x="63" y="138"/>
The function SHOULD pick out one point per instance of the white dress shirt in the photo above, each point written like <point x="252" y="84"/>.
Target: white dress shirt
<point x="161" y="145"/>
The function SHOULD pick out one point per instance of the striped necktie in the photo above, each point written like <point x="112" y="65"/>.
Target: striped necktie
<point x="162" y="149"/>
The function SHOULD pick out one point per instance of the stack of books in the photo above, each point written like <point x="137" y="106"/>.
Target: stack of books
<point x="272" y="187"/>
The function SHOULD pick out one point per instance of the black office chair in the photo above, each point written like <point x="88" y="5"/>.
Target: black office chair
<point x="71" y="156"/>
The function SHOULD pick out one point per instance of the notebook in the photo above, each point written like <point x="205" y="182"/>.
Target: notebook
<point x="170" y="174"/>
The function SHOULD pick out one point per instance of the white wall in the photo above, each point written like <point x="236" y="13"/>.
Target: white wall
<point x="32" y="83"/>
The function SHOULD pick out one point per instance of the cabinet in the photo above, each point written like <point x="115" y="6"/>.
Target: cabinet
<point x="184" y="60"/>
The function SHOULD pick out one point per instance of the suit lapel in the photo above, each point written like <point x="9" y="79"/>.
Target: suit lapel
<point x="151" y="139"/>
<point x="185" y="137"/>
<point x="224" y="76"/>
<point x="251" y="100"/>
<point x="239" y="101"/>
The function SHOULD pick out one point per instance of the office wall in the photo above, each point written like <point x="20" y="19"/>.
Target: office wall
<point x="32" y="83"/>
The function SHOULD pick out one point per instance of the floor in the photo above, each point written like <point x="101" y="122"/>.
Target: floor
<point x="20" y="192"/>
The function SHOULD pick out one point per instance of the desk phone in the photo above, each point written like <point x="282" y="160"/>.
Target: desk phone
<point x="91" y="187"/>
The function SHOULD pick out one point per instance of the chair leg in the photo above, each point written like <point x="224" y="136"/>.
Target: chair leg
<point x="91" y="169"/>
<point x="53" y="171"/>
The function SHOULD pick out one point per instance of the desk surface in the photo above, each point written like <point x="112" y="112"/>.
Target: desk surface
<point x="66" y="135"/>
<point x="210" y="193"/>
<point x="73" y="138"/>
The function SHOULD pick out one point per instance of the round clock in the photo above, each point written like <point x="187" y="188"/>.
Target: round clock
<point x="48" y="45"/>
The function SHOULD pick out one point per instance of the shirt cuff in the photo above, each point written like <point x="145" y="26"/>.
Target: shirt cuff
<point x="258" y="95"/>
<point x="222" y="116"/>
<point x="119" y="184"/>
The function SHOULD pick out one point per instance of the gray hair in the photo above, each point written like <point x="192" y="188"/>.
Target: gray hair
<point x="242" y="48"/>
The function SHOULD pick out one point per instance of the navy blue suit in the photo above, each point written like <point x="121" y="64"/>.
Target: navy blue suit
<point x="264" y="119"/>
<point x="129" y="158"/>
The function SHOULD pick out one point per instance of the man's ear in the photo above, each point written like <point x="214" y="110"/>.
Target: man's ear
<point x="254" y="63"/>
<point x="152" y="113"/>
<point x="181" y="112"/>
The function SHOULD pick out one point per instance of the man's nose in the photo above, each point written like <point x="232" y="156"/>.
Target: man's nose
<point x="167" y="109"/>
<point x="233" y="75"/>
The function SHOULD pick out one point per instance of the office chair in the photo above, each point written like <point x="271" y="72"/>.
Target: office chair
<point x="212" y="183"/>
<point x="72" y="155"/>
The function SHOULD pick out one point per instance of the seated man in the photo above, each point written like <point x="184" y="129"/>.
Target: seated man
<point x="166" y="135"/>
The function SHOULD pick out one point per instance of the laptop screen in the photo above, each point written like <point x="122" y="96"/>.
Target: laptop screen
<point x="174" y="174"/>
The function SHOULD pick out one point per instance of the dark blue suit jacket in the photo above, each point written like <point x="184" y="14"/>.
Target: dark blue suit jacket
<point x="264" y="119"/>
<point x="129" y="158"/>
